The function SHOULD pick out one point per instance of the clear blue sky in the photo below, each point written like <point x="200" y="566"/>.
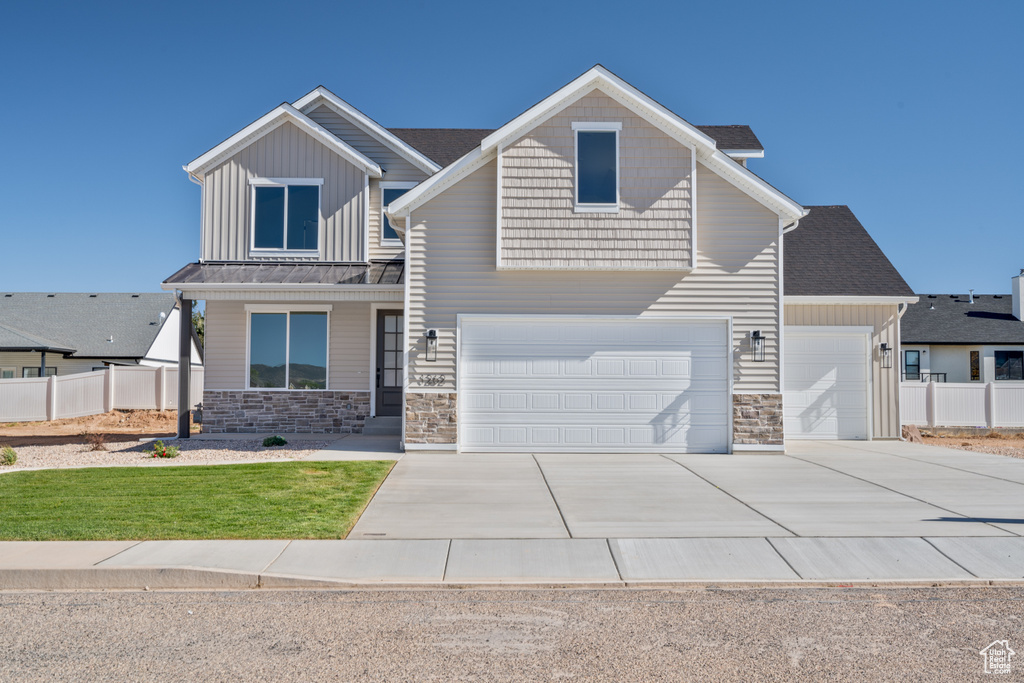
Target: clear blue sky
<point x="910" y="112"/>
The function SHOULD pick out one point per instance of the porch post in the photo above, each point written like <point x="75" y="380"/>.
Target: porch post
<point x="184" y="367"/>
<point x="42" y="363"/>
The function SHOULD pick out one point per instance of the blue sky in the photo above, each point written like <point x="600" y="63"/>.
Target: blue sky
<point x="909" y="112"/>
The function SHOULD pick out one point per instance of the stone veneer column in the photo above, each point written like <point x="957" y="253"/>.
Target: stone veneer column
<point x="316" y="412"/>
<point x="757" y="419"/>
<point x="431" y="418"/>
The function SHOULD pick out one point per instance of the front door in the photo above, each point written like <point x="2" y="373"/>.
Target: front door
<point x="389" y="362"/>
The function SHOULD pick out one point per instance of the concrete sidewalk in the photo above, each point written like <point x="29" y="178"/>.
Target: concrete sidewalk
<point x="59" y="565"/>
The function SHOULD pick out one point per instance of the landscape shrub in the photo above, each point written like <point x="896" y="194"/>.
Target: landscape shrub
<point x="272" y="441"/>
<point x="8" y="456"/>
<point x="159" y="450"/>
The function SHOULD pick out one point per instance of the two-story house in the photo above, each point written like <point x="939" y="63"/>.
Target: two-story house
<point x="596" y="275"/>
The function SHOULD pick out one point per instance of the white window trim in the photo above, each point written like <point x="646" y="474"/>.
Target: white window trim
<point x="595" y="126"/>
<point x="391" y="185"/>
<point x="278" y="308"/>
<point x="285" y="182"/>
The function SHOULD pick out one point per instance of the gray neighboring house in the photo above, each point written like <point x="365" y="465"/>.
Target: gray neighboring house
<point x="62" y="333"/>
<point x="973" y="338"/>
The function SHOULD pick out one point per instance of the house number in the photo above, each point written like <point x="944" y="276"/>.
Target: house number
<point x="431" y="380"/>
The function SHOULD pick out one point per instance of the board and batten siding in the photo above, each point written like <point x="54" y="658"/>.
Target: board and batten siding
<point x="539" y="227"/>
<point x="285" y="152"/>
<point x="396" y="168"/>
<point x="451" y="270"/>
<point x="884" y="320"/>
<point x="348" y="350"/>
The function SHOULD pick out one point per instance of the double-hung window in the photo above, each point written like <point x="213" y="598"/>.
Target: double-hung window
<point x="1009" y="365"/>
<point x="286" y="214"/>
<point x="288" y="348"/>
<point x="597" y="166"/>
<point x="389" y="192"/>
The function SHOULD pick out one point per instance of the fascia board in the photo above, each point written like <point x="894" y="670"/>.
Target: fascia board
<point x="436" y="184"/>
<point x="308" y="102"/>
<point x="745" y="153"/>
<point x="268" y="123"/>
<point x="848" y="300"/>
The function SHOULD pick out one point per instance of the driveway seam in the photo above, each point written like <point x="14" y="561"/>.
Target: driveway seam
<point x="551" y="493"/>
<point x="784" y="558"/>
<point x="900" y="493"/>
<point x="447" y="559"/>
<point x="738" y="500"/>
<point x="615" y="562"/>
<point x="939" y="550"/>
<point x="119" y="552"/>
<point x="276" y="557"/>
<point x="951" y="467"/>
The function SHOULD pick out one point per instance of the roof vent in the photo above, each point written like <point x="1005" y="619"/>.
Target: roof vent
<point x="92" y="296"/>
<point x="970" y="300"/>
<point x="135" y="296"/>
<point x="931" y="296"/>
<point x="997" y="296"/>
<point x="110" y="339"/>
<point x="50" y="296"/>
<point x="932" y="307"/>
<point x="8" y="295"/>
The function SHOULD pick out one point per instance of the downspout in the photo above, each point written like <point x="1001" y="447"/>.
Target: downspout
<point x="792" y="226"/>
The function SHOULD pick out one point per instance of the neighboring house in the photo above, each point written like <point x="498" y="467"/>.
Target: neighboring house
<point x="965" y="338"/>
<point x="596" y="275"/>
<point x="64" y="333"/>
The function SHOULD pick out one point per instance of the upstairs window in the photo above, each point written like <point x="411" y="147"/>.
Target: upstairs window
<point x="597" y="166"/>
<point x="286" y="214"/>
<point x="389" y="192"/>
<point x="1009" y="364"/>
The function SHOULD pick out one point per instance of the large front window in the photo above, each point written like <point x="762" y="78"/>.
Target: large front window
<point x="1009" y="365"/>
<point x="597" y="166"/>
<point x="288" y="350"/>
<point x="286" y="214"/>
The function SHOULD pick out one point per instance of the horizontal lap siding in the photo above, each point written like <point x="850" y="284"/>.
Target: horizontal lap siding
<point x="452" y="271"/>
<point x="885" y="383"/>
<point x="539" y="226"/>
<point x="348" y="353"/>
<point x="30" y="359"/>
<point x="396" y="169"/>
<point x="285" y="152"/>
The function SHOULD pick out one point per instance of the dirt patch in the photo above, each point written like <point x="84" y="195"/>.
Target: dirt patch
<point x="994" y="443"/>
<point x="115" y="426"/>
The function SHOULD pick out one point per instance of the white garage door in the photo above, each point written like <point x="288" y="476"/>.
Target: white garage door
<point x="547" y="384"/>
<point x="826" y="393"/>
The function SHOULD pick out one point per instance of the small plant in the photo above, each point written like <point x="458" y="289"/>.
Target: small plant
<point x="8" y="456"/>
<point x="96" y="442"/>
<point x="159" y="450"/>
<point x="272" y="441"/>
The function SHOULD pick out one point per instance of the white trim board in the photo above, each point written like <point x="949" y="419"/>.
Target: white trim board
<point x="848" y="300"/>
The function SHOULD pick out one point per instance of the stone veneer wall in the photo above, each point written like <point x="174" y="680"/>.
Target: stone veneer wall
<point x="431" y="418"/>
<point x="757" y="419"/>
<point x="317" y="412"/>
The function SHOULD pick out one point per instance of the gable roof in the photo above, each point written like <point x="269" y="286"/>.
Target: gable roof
<point x="81" y="323"/>
<point x="952" y="319"/>
<point x="831" y="254"/>
<point x="388" y="138"/>
<point x="269" y="122"/>
<point x="447" y="145"/>
<point x="628" y="96"/>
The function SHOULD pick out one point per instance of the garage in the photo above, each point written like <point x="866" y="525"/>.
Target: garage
<point x="593" y="384"/>
<point x="827" y="385"/>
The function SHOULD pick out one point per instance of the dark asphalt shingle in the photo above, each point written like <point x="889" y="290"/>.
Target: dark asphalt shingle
<point x="952" y="319"/>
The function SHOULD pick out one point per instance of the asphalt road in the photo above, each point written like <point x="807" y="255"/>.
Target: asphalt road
<point x="926" y="634"/>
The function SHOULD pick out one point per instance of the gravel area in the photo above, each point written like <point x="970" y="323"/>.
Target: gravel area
<point x="1011" y="447"/>
<point x="196" y="452"/>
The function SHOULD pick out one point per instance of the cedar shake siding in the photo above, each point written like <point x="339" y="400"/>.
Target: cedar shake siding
<point x="541" y="230"/>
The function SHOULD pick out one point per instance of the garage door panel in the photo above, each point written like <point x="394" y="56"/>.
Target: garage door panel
<point x="826" y="386"/>
<point x="559" y="384"/>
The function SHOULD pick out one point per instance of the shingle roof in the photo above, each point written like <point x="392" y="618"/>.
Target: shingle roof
<point x="19" y="340"/>
<point x="831" y="254"/>
<point x="445" y="145"/>
<point x="952" y="319"/>
<point x="238" y="273"/>
<point x="84" y="322"/>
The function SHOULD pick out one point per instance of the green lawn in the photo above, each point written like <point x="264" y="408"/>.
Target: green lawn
<point x="268" y="500"/>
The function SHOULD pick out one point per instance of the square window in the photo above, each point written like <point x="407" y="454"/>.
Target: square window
<point x="597" y="168"/>
<point x="285" y="216"/>
<point x="1009" y="365"/>
<point x="6" y="373"/>
<point x="288" y="350"/>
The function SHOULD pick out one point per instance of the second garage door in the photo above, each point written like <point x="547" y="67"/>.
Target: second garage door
<point x="550" y="384"/>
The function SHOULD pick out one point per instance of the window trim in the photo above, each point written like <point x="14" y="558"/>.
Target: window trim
<point x="596" y="127"/>
<point x="278" y="308"/>
<point x="995" y="366"/>
<point x="390" y="185"/>
<point x="285" y="183"/>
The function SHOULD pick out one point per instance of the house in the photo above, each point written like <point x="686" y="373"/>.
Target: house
<point x="598" y="274"/>
<point x="62" y="333"/>
<point x="965" y="338"/>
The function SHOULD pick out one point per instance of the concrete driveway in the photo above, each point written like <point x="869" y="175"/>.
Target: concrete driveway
<point x="818" y="489"/>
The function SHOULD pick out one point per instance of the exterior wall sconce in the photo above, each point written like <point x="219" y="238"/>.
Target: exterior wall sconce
<point x="757" y="346"/>
<point x="885" y="351"/>
<point x="432" y="345"/>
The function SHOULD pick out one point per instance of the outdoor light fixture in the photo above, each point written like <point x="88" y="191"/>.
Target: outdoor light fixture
<point x="885" y="351"/>
<point x="757" y="345"/>
<point x="431" y="345"/>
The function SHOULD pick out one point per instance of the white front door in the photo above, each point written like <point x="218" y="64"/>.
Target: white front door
<point x="584" y="384"/>
<point x="827" y="388"/>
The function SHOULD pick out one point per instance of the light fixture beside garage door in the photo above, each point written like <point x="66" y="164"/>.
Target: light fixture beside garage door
<point x="885" y="352"/>
<point x="757" y="346"/>
<point x="431" y="345"/>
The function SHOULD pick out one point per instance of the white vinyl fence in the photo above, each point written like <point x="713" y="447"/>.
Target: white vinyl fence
<point x="941" y="404"/>
<point x="91" y="393"/>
